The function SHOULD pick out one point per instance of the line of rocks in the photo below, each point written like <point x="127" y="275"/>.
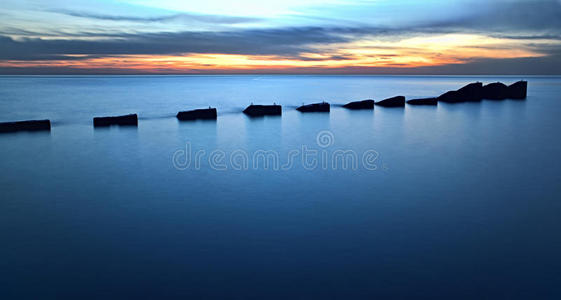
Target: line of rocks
<point x="473" y="92"/>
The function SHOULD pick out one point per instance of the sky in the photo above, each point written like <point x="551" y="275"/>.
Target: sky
<point x="456" y="37"/>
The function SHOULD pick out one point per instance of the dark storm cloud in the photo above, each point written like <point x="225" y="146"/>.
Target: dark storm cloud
<point x="522" y="19"/>
<point x="527" y="37"/>
<point x="537" y="15"/>
<point x="547" y="65"/>
<point x="182" y="17"/>
<point x="287" y="41"/>
<point x="516" y="20"/>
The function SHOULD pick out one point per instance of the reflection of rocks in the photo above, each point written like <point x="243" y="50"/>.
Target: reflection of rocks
<point x="33" y="125"/>
<point x="263" y="110"/>
<point x="126" y="120"/>
<point x="397" y="101"/>
<point x="423" y="101"/>
<point x="364" y="104"/>
<point x="316" y="107"/>
<point x="198" y="114"/>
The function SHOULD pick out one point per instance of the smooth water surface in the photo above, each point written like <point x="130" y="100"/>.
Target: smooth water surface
<point x="459" y="201"/>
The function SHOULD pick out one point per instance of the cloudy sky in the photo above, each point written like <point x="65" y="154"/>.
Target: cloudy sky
<point x="280" y="36"/>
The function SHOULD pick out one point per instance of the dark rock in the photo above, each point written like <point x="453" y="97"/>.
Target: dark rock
<point x="518" y="90"/>
<point x="469" y="93"/>
<point x="472" y="92"/>
<point x="495" y="91"/>
<point x="398" y="101"/>
<point x="33" y="125"/>
<point x="126" y="120"/>
<point x="450" y="97"/>
<point x="198" y="114"/>
<point x="423" y="101"/>
<point x="364" y="104"/>
<point x="263" y="110"/>
<point x="316" y="107"/>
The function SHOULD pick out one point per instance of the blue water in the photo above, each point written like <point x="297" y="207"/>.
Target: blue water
<point x="458" y="201"/>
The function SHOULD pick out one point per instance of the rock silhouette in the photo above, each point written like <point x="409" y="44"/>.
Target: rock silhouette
<point x="423" y="101"/>
<point x="197" y="114"/>
<point x="397" y="101"/>
<point x="518" y="90"/>
<point x="495" y="91"/>
<point x="126" y="120"/>
<point x="469" y="93"/>
<point x="364" y="104"/>
<point x="315" y="107"/>
<point x="472" y="92"/>
<point x="32" y="125"/>
<point x="263" y="110"/>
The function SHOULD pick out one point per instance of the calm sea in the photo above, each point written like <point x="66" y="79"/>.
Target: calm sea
<point x="453" y="201"/>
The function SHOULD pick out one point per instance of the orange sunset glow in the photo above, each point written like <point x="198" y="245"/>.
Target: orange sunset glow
<point x="276" y="41"/>
<point x="409" y="53"/>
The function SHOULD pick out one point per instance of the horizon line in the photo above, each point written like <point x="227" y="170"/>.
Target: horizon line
<point x="270" y="73"/>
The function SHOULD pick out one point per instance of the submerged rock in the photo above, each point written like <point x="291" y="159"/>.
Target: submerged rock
<point x="495" y="91"/>
<point x="364" y="104"/>
<point x="198" y="114"/>
<point x="32" y="125"/>
<point x="423" y="101"/>
<point x="397" y="101"/>
<point x="469" y="93"/>
<point x="126" y="120"/>
<point x="263" y="110"/>
<point x="518" y="90"/>
<point x="315" y="107"/>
